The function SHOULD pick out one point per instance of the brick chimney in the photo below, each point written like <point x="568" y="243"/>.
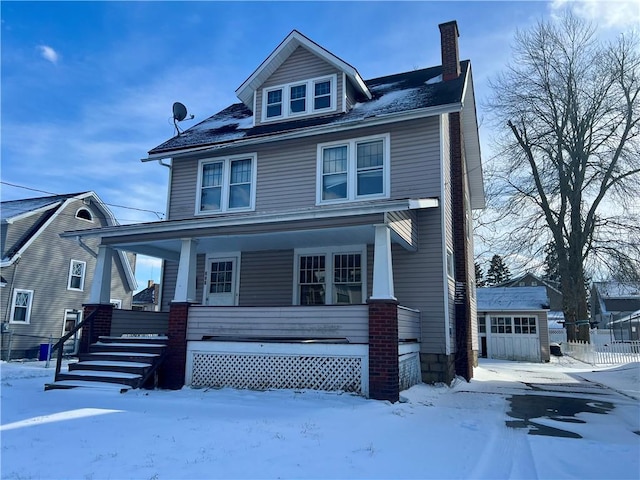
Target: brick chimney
<point x="449" y="48"/>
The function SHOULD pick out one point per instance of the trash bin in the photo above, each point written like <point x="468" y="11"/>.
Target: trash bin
<point x="45" y="351"/>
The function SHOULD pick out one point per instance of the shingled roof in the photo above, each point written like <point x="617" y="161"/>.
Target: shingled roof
<point x="393" y="94"/>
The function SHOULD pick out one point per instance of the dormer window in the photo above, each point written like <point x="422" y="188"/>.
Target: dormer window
<point x="317" y="95"/>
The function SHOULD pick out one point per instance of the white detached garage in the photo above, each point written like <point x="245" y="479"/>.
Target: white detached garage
<point x="512" y="323"/>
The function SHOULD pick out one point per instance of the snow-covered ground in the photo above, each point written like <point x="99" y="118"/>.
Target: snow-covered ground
<point x="436" y="432"/>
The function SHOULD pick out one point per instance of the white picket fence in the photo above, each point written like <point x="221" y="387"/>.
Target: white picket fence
<point x="603" y="349"/>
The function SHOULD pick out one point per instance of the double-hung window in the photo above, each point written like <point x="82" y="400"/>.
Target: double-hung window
<point x="226" y="184"/>
<point x="316" y="95"/>
<point x="330" y="276"/>
<point x="21" y="306"/>
<point x="76" y="275"/>
<point x="353" y="170"/>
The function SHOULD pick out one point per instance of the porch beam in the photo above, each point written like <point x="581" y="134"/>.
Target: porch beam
<point x="186" y="280"/>
<point x="101" y="286"/>
<point x="382" y="265"/>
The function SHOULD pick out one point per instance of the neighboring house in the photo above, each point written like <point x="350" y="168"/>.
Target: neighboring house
<point x="626" y="328"/>
<point x="46" y="279"/>
<point x="612" y="301"/>
<point x="555" y="314"/>
<point x="319" y="233"/>
<point x="512" y="323"/>
<point x="147" y="300"/>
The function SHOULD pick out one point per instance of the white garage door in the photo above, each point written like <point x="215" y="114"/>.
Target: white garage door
<point x="514" y="338"/>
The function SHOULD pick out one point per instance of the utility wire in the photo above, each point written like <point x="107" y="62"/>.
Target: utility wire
<point x="158" y="214"/>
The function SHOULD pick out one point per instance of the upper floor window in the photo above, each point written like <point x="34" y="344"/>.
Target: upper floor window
<point x="226" y="184"/>
<point x="76" y="275"/>
<point x="301" y="98"/>
<point x="84" y="214"/>
<point x="21" y="306"/>
<point x="353" y="170"/>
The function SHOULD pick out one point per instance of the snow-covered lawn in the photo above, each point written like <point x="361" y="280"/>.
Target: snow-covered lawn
<point x="436" y="432"/>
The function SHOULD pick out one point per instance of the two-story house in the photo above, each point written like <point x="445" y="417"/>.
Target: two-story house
<point x="319" y="231"/>
<point x="47" y="278"/>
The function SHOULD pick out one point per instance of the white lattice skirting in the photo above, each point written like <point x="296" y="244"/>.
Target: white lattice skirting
<point x="409" y="367"/>
<point x="261" y="366"/>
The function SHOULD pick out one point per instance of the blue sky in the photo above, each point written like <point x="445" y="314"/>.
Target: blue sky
<point x="87" y="87"/>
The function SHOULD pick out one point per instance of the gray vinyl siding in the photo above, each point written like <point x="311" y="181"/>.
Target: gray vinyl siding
<point x="404" y="224"/>
<point x="266" y="278"/>
<point x="301" y="65"/>
<point x="418" y="280"/>
<point x="44" y="269"/>
<point x="19" y="228"/>
<point x="415" y="156"/>
<point x="351" y="97"/>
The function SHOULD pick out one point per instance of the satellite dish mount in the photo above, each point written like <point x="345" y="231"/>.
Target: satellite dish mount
<point x="179" y="114"/>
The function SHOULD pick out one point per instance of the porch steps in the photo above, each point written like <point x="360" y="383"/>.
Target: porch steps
<point x="114" y="363"/>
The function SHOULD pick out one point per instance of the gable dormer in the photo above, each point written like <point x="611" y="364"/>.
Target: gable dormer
<point x="300" y="79"/>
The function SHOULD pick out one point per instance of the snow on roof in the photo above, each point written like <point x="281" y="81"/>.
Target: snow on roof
<point x="397" y="93"/>
<point x="14" y="208"/>
<point x="512" y="298"/>
<point x="618" y="289"/>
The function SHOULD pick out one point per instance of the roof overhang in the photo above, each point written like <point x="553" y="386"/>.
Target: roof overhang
<point x="312" y="131"/>
<point x="472" y="144"/>
<point x="295" y="39"/>
<point x="164" y="239"/>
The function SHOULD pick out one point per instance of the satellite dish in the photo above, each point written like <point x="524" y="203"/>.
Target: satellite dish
<point x="179" y="114"/>
<point x="179" y="111"/>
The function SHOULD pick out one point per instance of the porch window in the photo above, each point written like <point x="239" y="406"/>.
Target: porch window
<point x="226" y="184"/>
<point x="333" y="276"/>
<point x="76" y="275"/>
<point x="356" y="169"/>
<point x="21" y="306"/>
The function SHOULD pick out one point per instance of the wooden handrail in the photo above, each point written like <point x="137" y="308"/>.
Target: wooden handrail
<point x="60" y="343"/>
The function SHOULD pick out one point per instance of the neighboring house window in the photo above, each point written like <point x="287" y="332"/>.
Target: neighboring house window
<point x="482" y="325"/>
<point x="355" y="169"/>
<point x="316" y="95"/>
<point x="21" y="306"/>
<point x="333" y="276"/>
<point x="84" y="214"/>
<point x="521" y="284"/>
<point x="226" y="184"/>
<point x="451" y="267"/>
<point x="76" y="275"/>
<point x="534" y="283"/>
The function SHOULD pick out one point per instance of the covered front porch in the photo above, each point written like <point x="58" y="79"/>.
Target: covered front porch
<point x="291" y="303"/>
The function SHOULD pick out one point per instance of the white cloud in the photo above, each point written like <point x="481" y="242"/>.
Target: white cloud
<point x="49" y="54"/>
<point x="607" y="14"/>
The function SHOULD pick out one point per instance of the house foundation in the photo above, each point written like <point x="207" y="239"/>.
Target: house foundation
<point x="437" y="367"/>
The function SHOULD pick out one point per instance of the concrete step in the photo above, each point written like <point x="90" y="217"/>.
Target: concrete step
<point x="119" y="357"/>
<point x="108" y="365"/>
<point x="131" y="379"/>
<point x="159" y="339"/>
<point x="126" y="347"/>
<point x="68" y="384"/>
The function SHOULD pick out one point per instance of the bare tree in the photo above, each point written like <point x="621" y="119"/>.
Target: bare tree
<point x="569" y="154"/>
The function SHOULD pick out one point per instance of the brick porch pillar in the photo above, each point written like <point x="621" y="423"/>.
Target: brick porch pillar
<point x="100" y="326"/>
<point x="384" y="376"/>
<point x="172" y="370"/>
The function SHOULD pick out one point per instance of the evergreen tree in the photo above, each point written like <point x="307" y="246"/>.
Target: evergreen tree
<point x="480" y="281"/>
<point x="498" y="271"/>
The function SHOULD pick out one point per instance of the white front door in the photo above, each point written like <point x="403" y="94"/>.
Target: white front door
<point x="71" y="318"/>
<point x="221" y="280"/>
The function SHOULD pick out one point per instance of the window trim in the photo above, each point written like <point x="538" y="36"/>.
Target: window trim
<point x="310" y="84"/>
<point x="329" y="253"/>
<point x="352" y="169"/>
<point x="82" y="277"/>
<point x="27" y="320"/>
<point x="226" y="183"/>
<point x="84" y="209"/>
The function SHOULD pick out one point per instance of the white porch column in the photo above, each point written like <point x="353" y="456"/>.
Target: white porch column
<point x="382" y="265"/>
<point x="101" y="286"/>
<point x="186" y="281"/>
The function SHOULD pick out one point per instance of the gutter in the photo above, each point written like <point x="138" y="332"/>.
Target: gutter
<point x="210" y="222"/>
<point x="313" y="131"/>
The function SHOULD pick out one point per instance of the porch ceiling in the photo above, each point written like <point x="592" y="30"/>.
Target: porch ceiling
<point x="169" y="249"/>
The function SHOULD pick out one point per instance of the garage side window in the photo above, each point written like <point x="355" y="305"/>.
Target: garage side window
<point x="501" y="325"/>
<point x="525" y="325"/>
